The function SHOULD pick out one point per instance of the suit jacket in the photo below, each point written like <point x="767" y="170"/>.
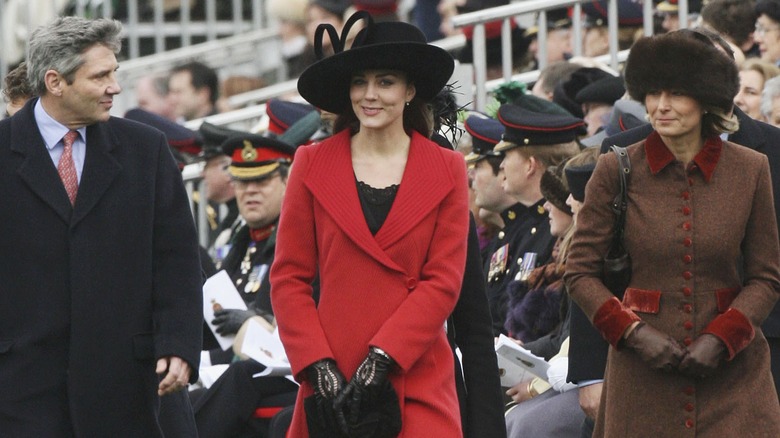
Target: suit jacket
<point x="588" y="351"/>
<point x="393" y="290"/>
<point x="81" y="326"/>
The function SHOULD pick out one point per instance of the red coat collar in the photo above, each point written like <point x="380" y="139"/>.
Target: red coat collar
<point x="659" y="156"/>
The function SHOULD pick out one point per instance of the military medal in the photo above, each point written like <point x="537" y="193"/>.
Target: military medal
<point x="498" y="263"/>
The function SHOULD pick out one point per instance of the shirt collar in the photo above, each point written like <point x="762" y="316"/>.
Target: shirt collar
<point x="51" y="130"/>
<point x="659" y="155"/>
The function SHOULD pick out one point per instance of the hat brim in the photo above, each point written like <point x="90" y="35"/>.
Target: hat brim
<point x="325" y="84"/>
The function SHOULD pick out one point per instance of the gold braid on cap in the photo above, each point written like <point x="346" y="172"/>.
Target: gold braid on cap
<point x="252" y="172"/>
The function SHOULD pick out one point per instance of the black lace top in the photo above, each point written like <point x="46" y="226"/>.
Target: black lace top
<point x="376" y="203"/>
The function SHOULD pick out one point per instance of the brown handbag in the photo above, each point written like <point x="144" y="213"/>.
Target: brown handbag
<point x="617" y="262"/>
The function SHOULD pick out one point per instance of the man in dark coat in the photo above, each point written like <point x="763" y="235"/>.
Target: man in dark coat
<point x="588" y="350"/>
<point x="90" y="342"/>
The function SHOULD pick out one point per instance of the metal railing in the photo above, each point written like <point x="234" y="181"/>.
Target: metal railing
<point x="150" y="26"/>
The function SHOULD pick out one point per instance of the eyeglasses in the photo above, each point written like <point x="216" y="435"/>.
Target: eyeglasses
<point x="761" y="30"/>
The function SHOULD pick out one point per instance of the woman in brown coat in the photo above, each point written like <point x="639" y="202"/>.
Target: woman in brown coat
<point x="688" y="357"/>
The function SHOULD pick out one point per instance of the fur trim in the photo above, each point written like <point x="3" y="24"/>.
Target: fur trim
<point x="734" y="329"/>
<point x="534" y="313"/>
<point x="682" y="61"/>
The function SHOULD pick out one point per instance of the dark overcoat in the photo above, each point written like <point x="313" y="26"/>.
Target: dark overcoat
<point x="687" y="231"/>
<point x="393" y="290"/>
<point x="92" y="294"/>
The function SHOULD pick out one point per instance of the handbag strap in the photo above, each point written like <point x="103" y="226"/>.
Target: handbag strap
<point x="620" y="203"/>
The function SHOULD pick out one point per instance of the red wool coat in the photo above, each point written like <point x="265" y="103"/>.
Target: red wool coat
<point x="705" y="259"/>
<point x="393" y="290"/>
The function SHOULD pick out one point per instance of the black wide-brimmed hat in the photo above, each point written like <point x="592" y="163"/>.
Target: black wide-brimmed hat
<point x="378" y="46"/>
<point x="684" y="61"/>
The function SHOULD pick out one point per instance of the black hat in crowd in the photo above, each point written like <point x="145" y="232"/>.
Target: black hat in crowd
<point x="577" y="178"/>
<point x="625" y="115"/>
<point x="630" y="13"/>
<point x="566" y="91"/>
<point x="393" y="45"/>
<point x="673" y="6"/>
<point x="283" y="113"/>
<point x="556" y="19"/>
<point x="179" y="137"/>
<point x="254" y="156"/>
<point x="485" y="133"/>
<point x="493" y="54"/>
<point x="606" y="90"/>
<point x="539" y="105"/>
<point x="213" y="137"/>
<point x="335" y="7"/>
<point x="683" y="61"/>
<point x="527" y="128"/>
<point x="554" y="189"/>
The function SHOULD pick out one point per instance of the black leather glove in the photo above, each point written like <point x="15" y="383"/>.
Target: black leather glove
<point x="656" y="348"/>
<point x="327" y="382"/>
<point x="228" y="321"/>
<point x="369" y="380"/>
<point x="703" y="356"/>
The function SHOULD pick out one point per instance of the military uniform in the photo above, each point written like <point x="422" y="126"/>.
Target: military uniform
<point x="251" y="253"/>
<point x="526" y="230"/>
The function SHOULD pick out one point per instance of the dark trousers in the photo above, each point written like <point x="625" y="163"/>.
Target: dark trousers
<point x="227" y="407"/>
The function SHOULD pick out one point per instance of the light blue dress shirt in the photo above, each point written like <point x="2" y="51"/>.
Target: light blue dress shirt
<point x="52" y="132"/>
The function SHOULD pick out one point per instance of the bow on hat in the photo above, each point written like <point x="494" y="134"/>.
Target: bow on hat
<point x="339" y="43"/>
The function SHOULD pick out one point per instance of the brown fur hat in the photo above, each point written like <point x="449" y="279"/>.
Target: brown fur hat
<point x="684" y="61"/>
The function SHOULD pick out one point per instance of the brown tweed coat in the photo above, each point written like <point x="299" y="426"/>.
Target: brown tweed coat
<point x="689" y="232"/>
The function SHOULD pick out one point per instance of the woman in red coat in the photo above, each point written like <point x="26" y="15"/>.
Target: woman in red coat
<point x="688" y="357"/>
<point x="379" y="213"/>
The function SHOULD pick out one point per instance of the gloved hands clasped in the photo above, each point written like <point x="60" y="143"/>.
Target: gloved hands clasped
<point x="700" y="359"/>
<point x="656" y="348"/>
<point x="228" y="321"/>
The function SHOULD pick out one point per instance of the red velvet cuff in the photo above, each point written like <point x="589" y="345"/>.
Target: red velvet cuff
<point x="734" y="329"/>
<point x="612" y="320"/>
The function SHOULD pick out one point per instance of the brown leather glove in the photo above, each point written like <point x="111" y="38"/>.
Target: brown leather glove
<point x="656" y="348"/>
<point x="703" y="356"/>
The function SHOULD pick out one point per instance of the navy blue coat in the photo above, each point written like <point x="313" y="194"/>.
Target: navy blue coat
<point x="92" y="294"/>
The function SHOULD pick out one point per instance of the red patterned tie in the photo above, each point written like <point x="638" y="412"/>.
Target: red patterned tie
<point x="67" y="168"/>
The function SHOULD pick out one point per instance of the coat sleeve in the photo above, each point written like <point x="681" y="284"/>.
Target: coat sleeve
<point x="416" y="323"/>
<point x="178" y="296"/>
<point x="585" y="264"/>
<point x="294" y="270"/>
<point x="761" y="254"/>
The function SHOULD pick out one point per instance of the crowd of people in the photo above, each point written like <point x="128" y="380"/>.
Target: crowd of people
<point x="390" y="237"/>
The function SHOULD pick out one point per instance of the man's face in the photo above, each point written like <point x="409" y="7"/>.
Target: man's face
<point x="488" y="191"/>
<point x="260" y="200"/>
<point x="149" y="100"/>
<point x="89" y="97"/>
<point x="188" y="102"/>
<point x="215" y="174"/>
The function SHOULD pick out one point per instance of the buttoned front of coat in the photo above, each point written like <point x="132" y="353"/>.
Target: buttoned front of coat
<point x="393" y="290"/>
<point x="703" y="244"/>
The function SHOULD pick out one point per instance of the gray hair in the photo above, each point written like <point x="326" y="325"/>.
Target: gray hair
<point x="770" y="92"/>
<point x="60" y="44"/>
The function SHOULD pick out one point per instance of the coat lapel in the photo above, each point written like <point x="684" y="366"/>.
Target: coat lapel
<point x="37" y="169"/>
<point x="749" y="133"/>
<point x="425" y="183"/>
<point x="332" y="182"/>
<point x="100" y="170"/>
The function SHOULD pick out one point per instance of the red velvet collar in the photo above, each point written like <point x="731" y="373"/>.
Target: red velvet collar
<point x="659" y="156"/>
<point x="260" y="234"/>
